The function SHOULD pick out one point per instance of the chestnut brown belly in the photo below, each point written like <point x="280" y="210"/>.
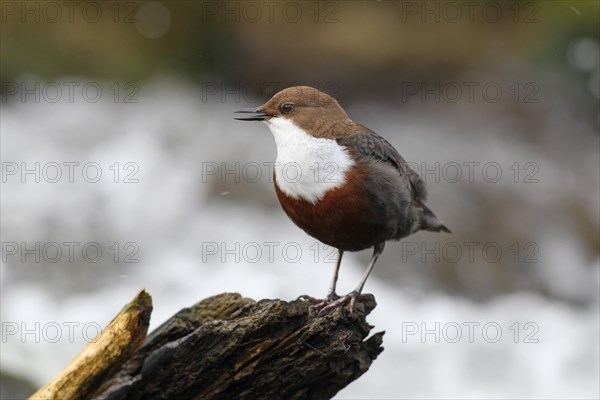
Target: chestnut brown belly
<point x="344" y="218"/>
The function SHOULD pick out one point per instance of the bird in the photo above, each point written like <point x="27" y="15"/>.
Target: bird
<point x="340" y="182"/>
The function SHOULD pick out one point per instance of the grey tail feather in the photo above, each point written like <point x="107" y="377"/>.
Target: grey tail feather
<point x="443" y="228"/>
<point x="429" y="222"/>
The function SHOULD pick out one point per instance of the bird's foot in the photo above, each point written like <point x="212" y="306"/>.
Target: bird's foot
<point x="319" y="303"/>
<point x="310" y="299"/>
<point x="325" y="307"/>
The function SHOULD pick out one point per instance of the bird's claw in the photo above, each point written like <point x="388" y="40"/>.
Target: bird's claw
<point x="317" y="304"/>
<point x="310" y="299"/>
<point x="326" y="306"/>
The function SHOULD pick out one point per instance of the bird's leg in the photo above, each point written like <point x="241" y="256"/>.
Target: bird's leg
<point x="331" y="295"/>
<point x="377" y="250"/>
<point x="356" y="293"/>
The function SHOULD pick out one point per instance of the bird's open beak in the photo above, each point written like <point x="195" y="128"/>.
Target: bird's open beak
<point x="256" y="114"/>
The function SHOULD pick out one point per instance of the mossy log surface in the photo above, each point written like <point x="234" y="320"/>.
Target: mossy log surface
<point x="231" y="347"/>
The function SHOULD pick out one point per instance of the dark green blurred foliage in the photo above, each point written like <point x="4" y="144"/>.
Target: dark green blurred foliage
<point x="342" y="41"/>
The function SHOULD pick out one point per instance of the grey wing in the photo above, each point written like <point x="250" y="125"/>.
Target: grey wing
<point x="372" y="146"/>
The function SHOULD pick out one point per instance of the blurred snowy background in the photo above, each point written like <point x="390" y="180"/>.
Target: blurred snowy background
<point x="499" y="116"/>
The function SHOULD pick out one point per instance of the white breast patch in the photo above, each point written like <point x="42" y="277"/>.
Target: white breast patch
<point x="307" y="167"/>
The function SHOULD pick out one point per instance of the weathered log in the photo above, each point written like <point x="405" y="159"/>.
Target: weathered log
<point x="231" y="347"/>
<point x="104" y="355"/>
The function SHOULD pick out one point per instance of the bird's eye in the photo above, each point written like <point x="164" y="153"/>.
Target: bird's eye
<point x="287" y="107"/>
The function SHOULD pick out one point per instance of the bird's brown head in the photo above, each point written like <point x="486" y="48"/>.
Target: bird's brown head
<point x="313" y="111"/>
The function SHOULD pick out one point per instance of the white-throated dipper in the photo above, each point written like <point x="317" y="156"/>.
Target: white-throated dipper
<point x="350" y="187"/>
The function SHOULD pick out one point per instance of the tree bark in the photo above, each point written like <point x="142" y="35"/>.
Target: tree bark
<point x="231" y="347"/>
